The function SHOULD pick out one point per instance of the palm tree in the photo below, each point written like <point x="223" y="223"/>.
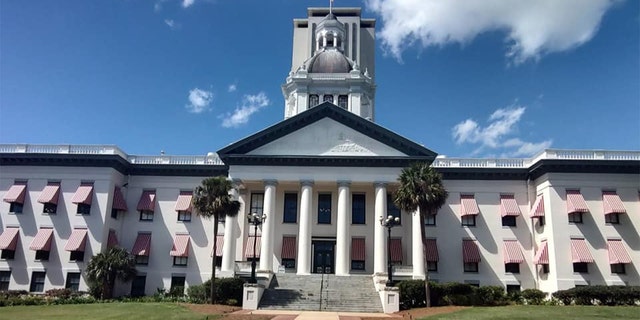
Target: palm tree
<point x="104" y="268"/>
<point x="421" y="188"/>
<point x="212" y="200"/>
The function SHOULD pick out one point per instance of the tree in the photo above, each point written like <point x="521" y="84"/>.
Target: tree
<point x="421" y="188"/>
<point x="104" y="268"/>
<point x="212" y="200"/>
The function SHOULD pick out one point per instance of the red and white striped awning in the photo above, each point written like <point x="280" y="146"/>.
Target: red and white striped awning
<point x="396" y="250"/>
<point x="219" y="245"/>
<point x="508" y="205"/>
<point x="248" y="250"/>
<point x="118" y="200"/>
<point x="575" y="202"/>
<point x="468" y="205"/>
<point x="432" y="251"/>
<point x="612" y="203"/>
<point x="580" y="251"/>
<point x="542" y="256"/>
<point x="470" y="251"/>
<point x="147" y="201"/>
<point x="184" y="201"/>
<point x="50" y="193"/>
<point x="537" y="210"/>
<point x="180" y="246"/>
<point x="512" y="252"/>
<point x="142" y="246"/>
<point x="288" y="248"/>
<point x="84" y="194"/>
<point x="16" y="193"/>
<point x="77" y="240"/>
<point x="358" y="249"/>
<point x="617" y="252"/>
<point x="112" y="239"/>
<point x="9" y="238"/>
<point x="42" y="240"/>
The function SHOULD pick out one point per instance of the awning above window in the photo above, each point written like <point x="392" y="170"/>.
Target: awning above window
<point x="575" y="202"/>
<point x="16" y="194"/>
<point x="288" y="248"/>
<point x="542" y="256"/>
<point x="470" y="251"/>
<point x="142" y="246"/>
<point x="248" y="250"/>
<point x="512" y="252"/>
<point x="42" y="240"/>
<point x="50" y="194"/>
<point x="508" y="205"/>
<point x="9" y="239"/>
<point x="83" y="195"/>
<point x="219" y="245"/>
<point x="612" y="203"/>
<point x="537" y="210"/>
<point x="432" y="251"/>
<point x="77" y="240"/>
<point x="180" y="246"/>
<point x="396" y="250"/>
<point x="184" y="201"/>
<point x="468" y="205"/>
<point x="147" y="201"/>
<point x="112" y="239"/>
<point x="118" y="200"/>
<point x="617" y="252"/>
<point x="358" y="249"/>
<point x="580" y="251"/>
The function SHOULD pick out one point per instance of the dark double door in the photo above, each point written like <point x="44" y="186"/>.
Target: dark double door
<point x="323" y="256"/>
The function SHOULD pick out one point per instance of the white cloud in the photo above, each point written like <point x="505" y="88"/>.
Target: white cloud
<point x="250" y="105"/>
<point x="533" y="27"/>
<point x="187" y="3"/>
<point x="199" y="100"/>
<point x="502" y="125"/>
<point x="232" y="87"/>
<point x="172" y="24"/>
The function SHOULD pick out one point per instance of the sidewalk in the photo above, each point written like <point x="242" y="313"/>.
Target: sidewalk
<point x="315" y="315"/>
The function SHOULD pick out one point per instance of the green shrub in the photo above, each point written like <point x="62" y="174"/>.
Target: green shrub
<point x="533" y="296"/>
<point x="411" y="294"/>
<point x="600" y="295"/>
<point x="58" y="293"/>
<point x="227" y="290"/>
<point x="490" y="296"/>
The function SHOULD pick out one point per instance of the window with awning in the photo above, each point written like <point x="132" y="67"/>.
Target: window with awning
<point x="542" y="255"/>
<point x="537" y="210"/>
<point x="112" y="239"/>
<point x="396" y="250"/>
<point x="83" y="197"/>
<point x="49" y="197"/>
<point x="470" y="251"/>
<point x="8" y="243"/>
<point x="468" y="205"/>
<point x="249" y="252"/>
<point x="147" y="205"/>
<point x="358" y="253"/>
<point x="15" y="196"/>
<point x="288" y="254"/>
<point x="219" y="246"/>
<point x="42" y="240"/>
<point x="180" y="246"/>
<point x="76" y="244"/>
<point x="508" y="205"/>
<point x="575" y="202"/>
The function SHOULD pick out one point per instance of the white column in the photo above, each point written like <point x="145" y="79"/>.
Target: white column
<point x="229" y="246"/>
<point x="304" y="233"/>
<point x="380" y="250"/>
<point x="343" y="241"/>
<point x="417" y="252"/>
<point x="266" y="242"/>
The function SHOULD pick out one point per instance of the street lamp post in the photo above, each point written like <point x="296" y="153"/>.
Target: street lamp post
<point x="389" y="223"/>
<point x="256" y="220"/>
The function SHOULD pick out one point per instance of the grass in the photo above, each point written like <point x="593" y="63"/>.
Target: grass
<point x="542" y="312"/>
<point x="98" y="311"/>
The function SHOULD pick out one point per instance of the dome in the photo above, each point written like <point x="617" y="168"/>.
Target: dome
<point x="330" y="61"/>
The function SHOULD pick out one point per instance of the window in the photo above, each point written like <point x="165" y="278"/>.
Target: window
<point x="580" y="267"/>
<point x="513" y="288"/>
<point x="392" y="209"/>
<point x="541" y="221"/>
<point x="114" y="213"/>
<point x="575" y="217"/>
<point x="512" y="267"/>
<point x="289" y="263"/>
<point x="357" y="265"/>
<point x="37" y="281"/>
<point x="50" y="208"/>
<point x="180" y="261"/>
<point x="257" y="203"/>
<point x="509" y="221"/>
<point x="430" y="220"/>
<point x="469" y="220"/>
<point x="42" y="255"/>
<point x="15" y="207"/>
<point x="77" y="256"/>
<point x="612" y="218"/>
<point x="5" y="279"/>
<point x="142" y="260"/>
<point x="470" y="267"/>
<point x="83" y="209"/>
<point x="618" y="268"/>
<point x="184" y="216"/>
<point x="358" y="210"/>
<point x="324" y="209"/>
<point x="313" y="100"/>
<point x="290" y="214"/>
<point x="327" y="98"/>
<point x="177" y="285"/>
<point x="73" y="281"/>
<point x="545" y="268"/>
<point x="473" y="283"/>
<point x="146" y="215"/>
<point x="137" y="286"/>
<point x="432" y="266"/>
<point x="343" y="101"/>
<point x="8" y="254"/>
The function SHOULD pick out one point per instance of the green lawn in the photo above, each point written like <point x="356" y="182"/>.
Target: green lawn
<point x="130" y="310"/>
<point x="543" y="312"/>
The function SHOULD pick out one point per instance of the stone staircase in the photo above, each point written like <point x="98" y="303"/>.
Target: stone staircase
<point x="321" y="292"/>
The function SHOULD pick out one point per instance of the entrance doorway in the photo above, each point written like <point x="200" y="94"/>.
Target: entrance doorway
<point x="323" y="256"/>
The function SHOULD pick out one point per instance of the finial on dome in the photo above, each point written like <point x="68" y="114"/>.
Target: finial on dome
<point x="330" y="6"/>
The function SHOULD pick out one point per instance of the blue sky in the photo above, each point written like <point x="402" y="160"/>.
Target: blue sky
<point x="473" y="78"/>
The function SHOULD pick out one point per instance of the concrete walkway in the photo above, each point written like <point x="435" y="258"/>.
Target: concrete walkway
<point x="315" y="315"/>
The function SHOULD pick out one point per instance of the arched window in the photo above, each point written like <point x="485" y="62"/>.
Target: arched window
<point x="343" y="101"/>
<point x="327" y="98"/>
<point x="314" y="100"/>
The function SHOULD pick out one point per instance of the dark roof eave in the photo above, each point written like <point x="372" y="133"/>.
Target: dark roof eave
<point x="323" y="161"/>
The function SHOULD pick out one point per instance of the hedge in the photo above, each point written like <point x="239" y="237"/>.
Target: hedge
<point x="599" y="295"/>
<point x="228" y="291"/>
<point x="453" y="293"/>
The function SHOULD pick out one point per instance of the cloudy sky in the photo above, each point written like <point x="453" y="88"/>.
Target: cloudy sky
<point x="465" y="78"/>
